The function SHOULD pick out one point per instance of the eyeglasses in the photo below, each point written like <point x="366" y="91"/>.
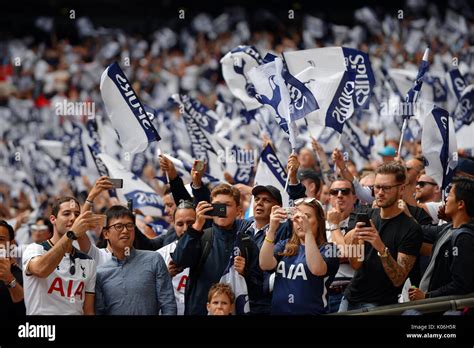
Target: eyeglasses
<point x="385" y="188"/>
<point x="119" y="227"/>
<point x="308" y="200"/>
<point x="423" y="183"/>
<point x="344" y="191"/>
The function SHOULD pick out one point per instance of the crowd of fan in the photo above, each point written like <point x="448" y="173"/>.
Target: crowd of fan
<point x="314" y="258"/>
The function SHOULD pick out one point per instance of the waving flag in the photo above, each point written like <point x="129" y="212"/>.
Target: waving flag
<point x="235" y="67"/>
<point x="75" y="151"/>
<point x="456" y="83"/>
<point x="412" y="94"/>
<point x="464" y="112"/>
<point x="439" y="146"/>
<point x="360" y="141"/>
<point x="200" y="125"/>
<point x="126" y="112"/>
<point x="288" y="97"/>
<point x="238" y="161"/>
<point x="142" y="195"/>
<point x="236" y="281"/>
<point x="341" y="80"/>
<point x="270" y="171"/>
<point x="101" y="167"/>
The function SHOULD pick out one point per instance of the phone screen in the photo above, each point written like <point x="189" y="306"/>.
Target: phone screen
<point x="362" y="217"/>
<point x="199" y="166"/>
<point x="103" y="217"/>
<point x="118" y="183"/>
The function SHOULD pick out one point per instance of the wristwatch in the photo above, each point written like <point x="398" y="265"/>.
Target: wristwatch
<point x="333" y="227"/>
<point x="385" y="253"/>
<point x="12" y="284"/>
<point x="71" y="235"/>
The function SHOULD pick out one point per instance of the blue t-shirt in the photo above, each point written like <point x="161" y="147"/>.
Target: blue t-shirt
<point x="297" y="291"/>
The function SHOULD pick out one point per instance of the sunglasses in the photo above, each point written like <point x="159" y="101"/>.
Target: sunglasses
<point x="344" y="191"/>
<point x="424" y="183"/>
<point x="308" y="200"/>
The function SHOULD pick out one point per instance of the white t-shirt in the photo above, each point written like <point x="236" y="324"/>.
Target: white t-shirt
<point x="179" y="280"/>
<point x="99" y="255"/>
<point x="61" y="293"/>
<point x="433" y="208"/>
<point x="345" y="269"/>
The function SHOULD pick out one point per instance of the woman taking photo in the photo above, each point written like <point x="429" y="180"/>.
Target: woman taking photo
<point x="304" y="265"/>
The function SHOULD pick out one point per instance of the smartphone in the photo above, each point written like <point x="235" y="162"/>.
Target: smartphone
<point x="290" y="211"/>
<point x="199" y="165"/>
<point x="218" y="209"/>
<point x="118" y="183"/>
<point x="363" y="217"/>
<point x="103" y="219"/>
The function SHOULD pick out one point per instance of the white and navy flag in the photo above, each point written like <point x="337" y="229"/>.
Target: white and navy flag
<point x="236" y="281"/>
<point x="235" y="67"/>
<point x="126" y="112"/>
<point x="341" y="80"/>
<point x="464" y="112"/>
<point x="270" y="171"/>
<point x="200" y="124"/>
<point x="142" y="195"/>
<point x="287" y="97"/>
<point x="439" y="146"/>
<point x="358" y="139"/>
<point x="413" y="92"/>
<point x="456" y="83"/>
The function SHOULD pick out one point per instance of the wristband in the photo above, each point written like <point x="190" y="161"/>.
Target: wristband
<point x="269" y="240"/>
<point x="89" y="201"/>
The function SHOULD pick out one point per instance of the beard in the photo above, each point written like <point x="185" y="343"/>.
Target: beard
<point x="388" y="202"/>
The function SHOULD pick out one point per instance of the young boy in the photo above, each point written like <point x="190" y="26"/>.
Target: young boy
<point x="220" y="300"/>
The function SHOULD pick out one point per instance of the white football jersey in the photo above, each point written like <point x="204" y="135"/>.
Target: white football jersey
<point x="64" y="290"/>
<point x="179" y="280"/>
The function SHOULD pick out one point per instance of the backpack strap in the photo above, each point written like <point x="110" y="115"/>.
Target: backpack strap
<point x="206" y="245"/>
<point x="195" y="272"/>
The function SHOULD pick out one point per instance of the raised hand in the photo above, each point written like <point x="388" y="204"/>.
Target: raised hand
<point x="102" y="184"/>
<point x="167" y="165"/>
<point x="292" y="168"/>
<point x="86" y="221"/>
<point x="197" y="172"/>
<point x="201" y="209"/>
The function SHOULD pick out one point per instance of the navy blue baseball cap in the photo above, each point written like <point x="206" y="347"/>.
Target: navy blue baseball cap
<point x="272" y="190"/>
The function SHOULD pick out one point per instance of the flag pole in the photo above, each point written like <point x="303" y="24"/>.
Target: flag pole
<point x="166" y="173"/>
<point x="293" y="146"/>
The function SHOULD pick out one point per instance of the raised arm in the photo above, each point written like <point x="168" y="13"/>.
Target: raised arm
<point x="188" y="250"/>
<point x="341" y="165"/>
<point x="102" y="184"/>
<point x="328" y="175"/>
<point x="267" y="260"/>
<point x="200" y="191"/>
<point x="42" y="265"/>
